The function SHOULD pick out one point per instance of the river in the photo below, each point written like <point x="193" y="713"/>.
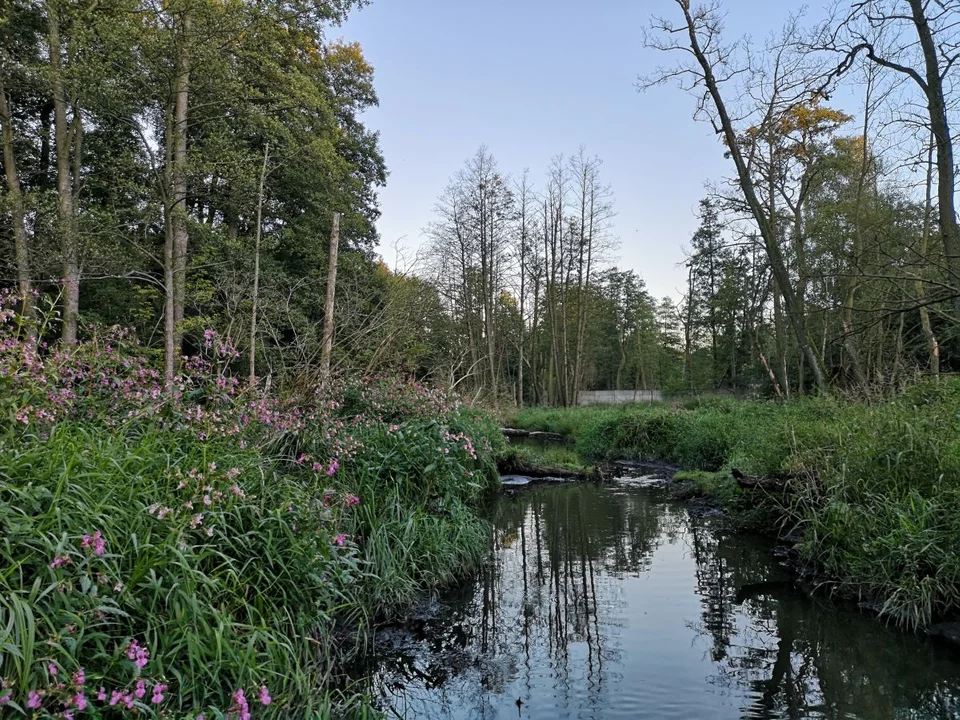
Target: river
<point x="610" y="601"/>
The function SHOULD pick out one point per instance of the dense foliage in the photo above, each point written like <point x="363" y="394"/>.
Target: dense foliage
<point x="198" y="552"/>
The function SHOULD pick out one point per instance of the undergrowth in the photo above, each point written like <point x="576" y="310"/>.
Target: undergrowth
<point x="205" y="550"/>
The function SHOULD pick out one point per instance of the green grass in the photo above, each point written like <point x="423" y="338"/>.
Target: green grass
<point x="564" y="457"/>
<point x="876" y="486"/>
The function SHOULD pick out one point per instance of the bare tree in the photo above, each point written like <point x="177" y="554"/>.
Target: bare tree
<point x="711" y="68"/>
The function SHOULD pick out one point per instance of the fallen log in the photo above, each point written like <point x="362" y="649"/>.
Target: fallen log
<point x="518" y="466"/>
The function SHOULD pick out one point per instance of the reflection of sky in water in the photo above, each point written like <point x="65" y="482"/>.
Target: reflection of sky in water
<point x="602" y="602"/>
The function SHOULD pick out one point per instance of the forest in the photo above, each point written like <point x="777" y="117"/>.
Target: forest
<point x="173" y="170"/>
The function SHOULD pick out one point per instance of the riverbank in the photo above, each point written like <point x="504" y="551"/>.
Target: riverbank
<point x="215" y="550"/>
<point x="870" y="492"/>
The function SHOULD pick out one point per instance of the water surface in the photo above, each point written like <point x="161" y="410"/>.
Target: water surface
<point x="611" y="602"/>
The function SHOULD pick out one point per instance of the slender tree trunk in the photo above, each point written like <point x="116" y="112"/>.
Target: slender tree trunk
<point x="853" y="283"/>
<point x="933" y="347"/>
<point x="21" y="247"/>
<point x="256" y="269"/>
<point x="940" y="125"/>
<point x="331" y="297"/>
<point x="781" y="339"/>
<point x="66" y="220"/>
<point x="180" y="237"/>
<point x="170" y="351"/>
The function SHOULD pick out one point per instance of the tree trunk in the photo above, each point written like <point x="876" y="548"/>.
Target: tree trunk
<point x="21" y="249"/>
<point x="66" y="221"/>
<point x="939" y="124"/>
<point x="331" y="297"/>
<point x="179" y="236"/>
<point x="256" y="269"/>
<point x="933" y="347"/>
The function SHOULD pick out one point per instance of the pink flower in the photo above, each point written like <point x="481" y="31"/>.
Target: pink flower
<point x="340" y="539"/>
<point x="59" y="561"/>
<point x="80" y="678"/>
<point x="334" y="466"/>
<point x="141" y="689"/>
<point x="115" y="697"/>
<point x="101" y="694"/>
<point x="158" y="691"/>
<point x="33" y="700"/>
<point x="138" y="654"/>
<point x="96" y="542"/>
<point x="352" y="500"/>
<point x="52" y="669"/>
<point x="264" y="696"/>
<point x="80" y="701"/>
<point x="240" y="706"/>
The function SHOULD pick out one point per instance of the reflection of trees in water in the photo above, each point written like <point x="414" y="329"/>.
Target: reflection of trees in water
<point x="803" y="658"/>
<point x="542" y="619"/>
<point x="547" y="597"/>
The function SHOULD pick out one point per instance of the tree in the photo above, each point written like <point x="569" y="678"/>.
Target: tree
<point x="710" y="69"/>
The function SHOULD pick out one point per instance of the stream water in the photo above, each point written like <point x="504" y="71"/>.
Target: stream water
<point x="610" y="601"/>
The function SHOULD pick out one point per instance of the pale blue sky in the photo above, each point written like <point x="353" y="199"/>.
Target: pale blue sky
<point x="533" y="78"/>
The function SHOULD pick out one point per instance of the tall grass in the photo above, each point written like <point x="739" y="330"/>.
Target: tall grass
<point x="875" y="487"/>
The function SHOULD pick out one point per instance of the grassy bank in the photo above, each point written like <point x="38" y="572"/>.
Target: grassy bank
<point x="875" y="488"/>
<point x="214" y="552"/>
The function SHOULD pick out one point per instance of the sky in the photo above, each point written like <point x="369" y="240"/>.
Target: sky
<point x="531" y="79"/>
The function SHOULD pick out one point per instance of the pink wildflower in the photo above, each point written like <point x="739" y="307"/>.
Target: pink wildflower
<point x="158" y="691"/>
<point x="4" y="699"/>
<point x="33" y="700"/>
<point x="115" y="697"/>
<point x="138" y="654"/>
<point x="352" y="500"/>
<point x="96" y="542"/>
<point x="340" y="539"/>
<point x="80" y="700"/>
<point x="141" y="689"/>
<point x="334" y="466"/>
<point x="102" y="694"/>
<point x="52" y="669"/>
<point x="240" y="705"/>
<point x="264" y="696"/>
<point x="80" y="678"/>
<point x="59" y="561"/>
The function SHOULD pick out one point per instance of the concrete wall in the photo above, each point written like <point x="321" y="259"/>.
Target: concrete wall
<point x="617" y="397"/>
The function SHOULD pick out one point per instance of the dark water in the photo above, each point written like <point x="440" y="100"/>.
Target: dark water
<point x="610" y="602"/>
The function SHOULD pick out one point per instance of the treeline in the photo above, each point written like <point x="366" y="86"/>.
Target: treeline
<point x="840" y="262"/>
<point x="175" y="168"/>
<point x="523" y="277"/>
<point x="159" y="158"/>
<point x="829" y="261"/>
